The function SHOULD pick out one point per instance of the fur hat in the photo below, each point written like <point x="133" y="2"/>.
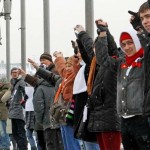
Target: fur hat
<point x="47" y="56"/>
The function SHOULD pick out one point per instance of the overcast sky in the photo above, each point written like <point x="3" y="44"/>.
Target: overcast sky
<point x="64" y="15"/>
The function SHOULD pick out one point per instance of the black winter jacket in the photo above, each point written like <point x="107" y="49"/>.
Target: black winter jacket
<point x="145" y="42"/>
<point x="103" y="113"/>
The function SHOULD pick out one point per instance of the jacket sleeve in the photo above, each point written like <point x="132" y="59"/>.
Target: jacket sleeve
<point x="112" y="46"/>
<point x="60" y="64"/>
<point x="87" y="43"/>
<point x="48" y="75"/>
<point x="102" y="56"/>
<point x="33" y="81"/>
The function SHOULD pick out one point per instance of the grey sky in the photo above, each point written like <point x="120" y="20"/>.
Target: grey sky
<point x="64" y="15"/>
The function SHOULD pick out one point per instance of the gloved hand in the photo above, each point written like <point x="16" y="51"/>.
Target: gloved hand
<point x="135" y="21"/>
<point x="75" y="47"/>
<point x="101" y="26"/>
<point x="79" y="28"/>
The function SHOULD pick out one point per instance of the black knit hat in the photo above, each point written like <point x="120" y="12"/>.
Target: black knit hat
<point x="47" y="56"/>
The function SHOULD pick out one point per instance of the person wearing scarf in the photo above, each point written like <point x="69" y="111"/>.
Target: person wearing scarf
<point x="135" y="129"/>
<point x="67" y="68"/>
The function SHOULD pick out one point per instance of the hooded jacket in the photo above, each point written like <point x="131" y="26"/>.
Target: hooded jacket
<point x="130" y="87"/>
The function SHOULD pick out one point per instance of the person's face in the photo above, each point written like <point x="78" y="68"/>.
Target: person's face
<point x="15" y="74"/>
<point x="69" y="67"/>
<point x="45" y="62"/>
<point x="145" y="19"/>
<point x="128" y="47"/>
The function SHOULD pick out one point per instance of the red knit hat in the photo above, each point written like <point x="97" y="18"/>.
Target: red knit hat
<point x="125" y="36"/>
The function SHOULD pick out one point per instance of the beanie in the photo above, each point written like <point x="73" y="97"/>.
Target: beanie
<point x="47" y="56"/>
<point x="125" y="36"/>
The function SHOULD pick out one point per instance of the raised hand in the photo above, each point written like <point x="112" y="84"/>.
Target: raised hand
<point x="34" y="64"/>
<point x="135" y="20"/>
<point x="57" y="54"/>
<point x="79" y="28"/>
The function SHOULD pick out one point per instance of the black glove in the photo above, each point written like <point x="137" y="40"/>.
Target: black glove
<point x="100" y="28"/>
<point x="75" y="47"/>
<point x="136" y="22"/>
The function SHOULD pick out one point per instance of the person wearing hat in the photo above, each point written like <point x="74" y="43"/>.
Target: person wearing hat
<point x="4" y="137"/>
<point x="67" y="69"/>
<point x="130" y="87"/>
<point x="48" y="137"/>
<point x="47" y="62"/>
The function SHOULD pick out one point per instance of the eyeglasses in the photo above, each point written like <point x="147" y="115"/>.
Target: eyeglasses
<point x="14" y="72"/>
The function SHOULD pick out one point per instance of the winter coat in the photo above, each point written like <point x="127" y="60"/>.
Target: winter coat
<point x="18" y="91"/>
<point x="85" y="44"/>
<point x="145" y="41"/>
<point x="30" y="119"/>
<point x="42" y="98"/>
<point x="103" y="113"/>
<point x="129" y="87"/>
<point x="3" y="108"/>
<point x="56" y="80"/>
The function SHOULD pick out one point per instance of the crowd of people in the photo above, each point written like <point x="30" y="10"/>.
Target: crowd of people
<point x="97" y="99"/>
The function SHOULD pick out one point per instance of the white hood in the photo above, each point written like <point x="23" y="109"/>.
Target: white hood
<point x="134" y="36"/>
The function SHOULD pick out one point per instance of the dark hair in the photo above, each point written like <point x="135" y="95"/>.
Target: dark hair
<point x="144" y="7"/>
<point x="14" y="68"/>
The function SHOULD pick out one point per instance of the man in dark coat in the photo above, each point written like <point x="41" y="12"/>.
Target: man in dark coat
<point x="16" y="109"/>
<point x="42" y="99"/>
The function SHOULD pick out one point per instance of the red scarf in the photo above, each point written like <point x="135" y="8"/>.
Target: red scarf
<point x="131" y="59"/>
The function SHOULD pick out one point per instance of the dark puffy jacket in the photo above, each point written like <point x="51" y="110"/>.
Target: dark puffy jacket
<point x="103" y="113"/>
